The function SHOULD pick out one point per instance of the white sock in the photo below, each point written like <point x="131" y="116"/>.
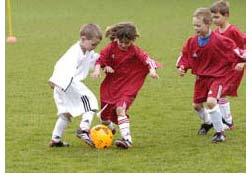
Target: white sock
<point x="216" y="117"/>
<point x="59" y="128"/>
<point x="124" y="127"/>
<point x="204" y="116"/>
<point x="86" y="121"/>
<point x="225" y="111"/>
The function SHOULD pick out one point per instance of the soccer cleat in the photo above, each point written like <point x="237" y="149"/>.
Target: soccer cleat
<point x="228" y="126"/>
<point x="122" y="143"/>
<point x="84" y="135"/>
<point x="52" y="143"/>
<point x="218" y="137"/>
<point x="204" y="129"/>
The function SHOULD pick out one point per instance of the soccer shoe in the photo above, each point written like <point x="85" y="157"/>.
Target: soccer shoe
<point x="58" y="144"/>
<point x="84" y="135"/>
<point x="204" y="128"/>
<point x="122" y="143"/>
<point x="228" y="126"/>
<point x="218" y="137"/>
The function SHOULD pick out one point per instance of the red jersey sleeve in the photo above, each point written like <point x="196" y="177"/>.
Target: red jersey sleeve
<point x="141" y="55"/>
<point x="228" y="50"/>
<point x="103" y="60"/>
<point x="239" y="38"/>
<point x="184" y="58"/>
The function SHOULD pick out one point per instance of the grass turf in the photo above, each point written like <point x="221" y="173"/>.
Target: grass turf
<point x="164" y="126"/>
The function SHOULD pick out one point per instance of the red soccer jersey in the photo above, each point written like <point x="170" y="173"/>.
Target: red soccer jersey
<point x="130" y="71"/>
<point x="234" y="34"/>
<point x="213" y="60"/>
<point x="239" y="38"/>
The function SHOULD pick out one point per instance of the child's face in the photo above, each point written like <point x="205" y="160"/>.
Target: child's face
<point x="219" y="19"/>
<point x="200" y="28"/>
<point x="124" y="44"/>
<point x="88" y="45"/>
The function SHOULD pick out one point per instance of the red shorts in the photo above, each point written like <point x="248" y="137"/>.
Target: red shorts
<point x="109" y="113"/>
<point x="234" y="81"/>
<point x="205" y="87"/>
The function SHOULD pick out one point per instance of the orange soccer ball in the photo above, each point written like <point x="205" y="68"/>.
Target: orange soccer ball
<point x="101" y="136"/>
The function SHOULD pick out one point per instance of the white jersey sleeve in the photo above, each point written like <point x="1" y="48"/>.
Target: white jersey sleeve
<point x="65" y="68"/>
<point x="94" y="57"/>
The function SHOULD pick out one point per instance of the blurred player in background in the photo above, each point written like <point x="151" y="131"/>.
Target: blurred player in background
<point x="210" y="57"/>
<point x="220" y="14"/>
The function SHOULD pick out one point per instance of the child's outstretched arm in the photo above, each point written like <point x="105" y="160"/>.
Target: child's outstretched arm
<point x="96" y="72"/>
<point x="152" y="68"/>
<point x="183" y="63"/>
<point x="181" y="70"/>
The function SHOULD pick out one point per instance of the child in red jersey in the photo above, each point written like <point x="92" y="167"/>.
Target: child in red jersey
<point x="126" y="67"/>
<point x="210" y="57"/>
<point x="220" y="15"/>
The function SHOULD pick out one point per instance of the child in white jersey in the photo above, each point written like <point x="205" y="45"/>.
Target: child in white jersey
<point x="71" y="96"/>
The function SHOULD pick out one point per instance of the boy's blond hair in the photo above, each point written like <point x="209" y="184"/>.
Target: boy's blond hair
<point x="204" y="14"/>
<point x="221" y="7"/>
<point x="91" y="31"/>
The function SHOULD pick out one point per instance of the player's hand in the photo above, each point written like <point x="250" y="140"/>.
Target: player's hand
<point x="181" y="71"/>
<point x="240" y="66"/>
<point x="96" y="74"/>
<point x="109" y="69"/>
<point x="153" y="73"/>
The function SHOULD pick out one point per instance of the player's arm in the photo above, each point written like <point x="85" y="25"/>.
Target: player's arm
<point x="102" y="62"/>
<point x="183" y="63"/>
<point x="146" y="60"/>
<point x="152" y="68"/>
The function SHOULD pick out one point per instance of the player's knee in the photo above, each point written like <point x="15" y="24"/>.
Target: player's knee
<point x="66" y="116"/>
<point x="197" y="106"/>
<point x="211" y="103"/>
<point x="120" y="111"/>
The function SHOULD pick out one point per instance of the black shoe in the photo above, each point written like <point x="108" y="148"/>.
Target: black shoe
<point x="84" y="135"/>
<point x="58" y="144"/>
<point x="204" y="128"/>
<point x="122" y="143"/>
<point x="228" y="126"/>
<point x="218" y="137"/>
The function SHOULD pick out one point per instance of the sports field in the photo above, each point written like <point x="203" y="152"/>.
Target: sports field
<point x="164" y="125"/>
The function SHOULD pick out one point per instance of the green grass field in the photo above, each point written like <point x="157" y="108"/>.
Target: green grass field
<point x="164" y="125"/>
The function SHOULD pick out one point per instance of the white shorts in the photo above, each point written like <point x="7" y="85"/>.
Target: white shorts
<point x="77" y="100"/>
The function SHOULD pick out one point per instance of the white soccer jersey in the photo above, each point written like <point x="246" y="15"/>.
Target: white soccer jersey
<point x="73" y="65"/>
<point x="70" y="94"/>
